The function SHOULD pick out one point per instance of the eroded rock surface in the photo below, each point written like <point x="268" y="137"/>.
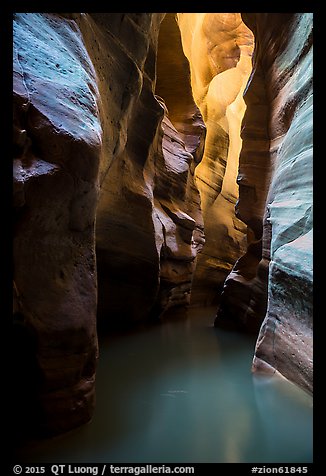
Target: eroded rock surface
<point x="178" y="212"/>
<point x="93" y="140"/>
<point x="176" y="202"/>
<point x="127" y="257"/>
<point x="218" y="47"/>
<point x="149" y="224"/>
<point x="103" y="148"/>
<point x="273" y="280"/>
<point x="57" y="137"/>
<point x="81" y="82"/>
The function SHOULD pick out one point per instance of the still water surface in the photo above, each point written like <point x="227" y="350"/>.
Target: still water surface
<point x="182" y="391"/>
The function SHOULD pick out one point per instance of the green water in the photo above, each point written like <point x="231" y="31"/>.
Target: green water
<point x="182" y="391"/>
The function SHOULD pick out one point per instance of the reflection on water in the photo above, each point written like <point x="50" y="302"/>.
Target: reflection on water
<point x="182" y="391"/>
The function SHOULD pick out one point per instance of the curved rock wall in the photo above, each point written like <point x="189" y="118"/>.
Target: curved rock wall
<point x="81" y="82"/>
<point x="243" y="299"/>
<point x="218" y="47"/>
<point x="149" y="207"/>
<point x="173" y="83"/>
<point x="127" y="257"/>
<point x="93" y="140"/>
<point x="177" y="202"/>
<point x="273" y="280"/>
<point x="57" y="138"/>
<point x="97" y="153"/>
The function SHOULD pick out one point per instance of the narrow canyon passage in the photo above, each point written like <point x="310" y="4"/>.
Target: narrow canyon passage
<point x="163" y="232"/>
<point x="182" y="391"/>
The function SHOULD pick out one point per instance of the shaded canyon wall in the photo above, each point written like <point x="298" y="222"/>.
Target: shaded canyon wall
<point x="95" y="154"/>
<point x="57" y="148"/>
<point x="149" y="210"/>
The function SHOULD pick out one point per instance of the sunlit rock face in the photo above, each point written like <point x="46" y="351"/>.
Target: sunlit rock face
<point x="219" y="48"/>
<point x="273" y="280"/>
<point x="173" y="84"/>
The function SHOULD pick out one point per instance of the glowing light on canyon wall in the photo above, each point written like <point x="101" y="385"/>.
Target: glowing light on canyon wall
<point x="219" y="48"/>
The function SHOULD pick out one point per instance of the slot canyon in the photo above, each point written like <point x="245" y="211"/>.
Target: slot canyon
<point x="162" y="250"/>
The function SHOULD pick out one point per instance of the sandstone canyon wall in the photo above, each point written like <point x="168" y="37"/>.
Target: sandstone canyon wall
<point x="76" y="81"/>
<point x="57" y="139"/>
<point x="273" y="280"/>
<point x="149" y="212"/>
<point x="176" y="196"/>
<point x="114" y="182"/>
<point x="96" y="155"/>
<point x="219" y="48"/>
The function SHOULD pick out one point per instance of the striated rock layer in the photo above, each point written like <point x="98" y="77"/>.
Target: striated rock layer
<point x="176" y="197"/>
<point x="218" y="47"/>
<point x="149" y="207"/>
<point x="273" y="280"/>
